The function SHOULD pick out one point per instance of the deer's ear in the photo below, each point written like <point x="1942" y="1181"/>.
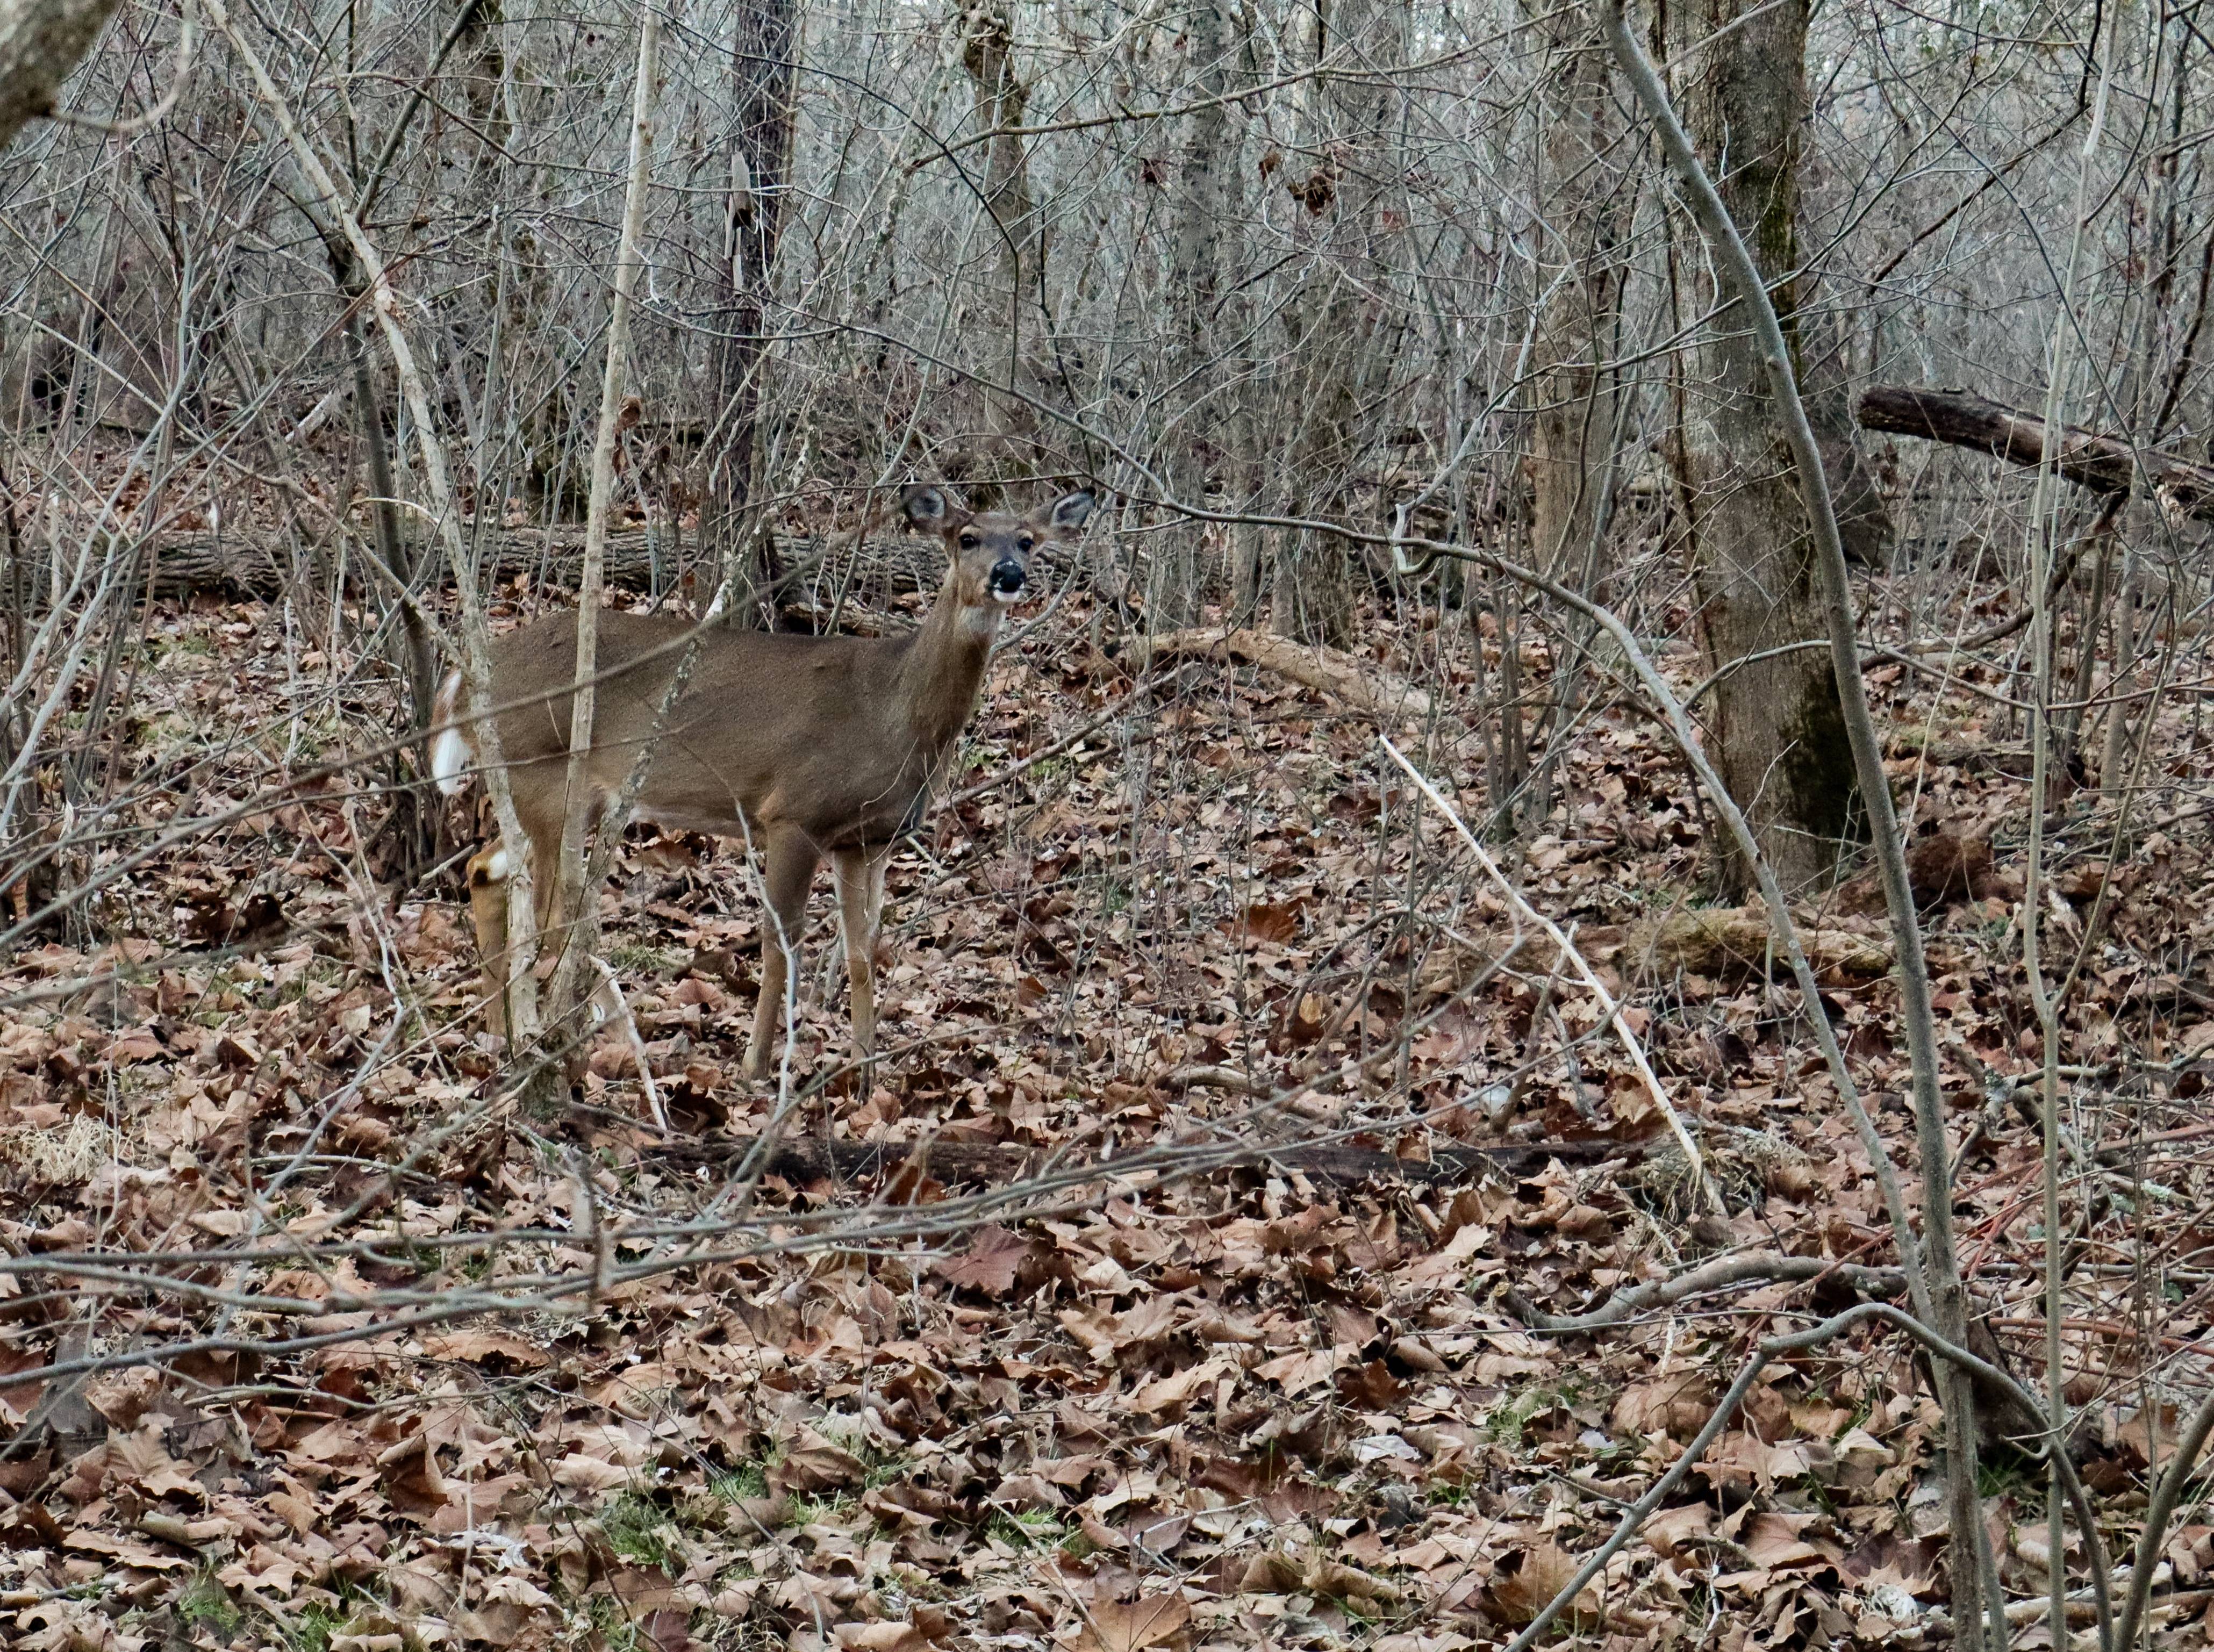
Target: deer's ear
<point x="1070" y="512"/>
<point x="922" y="504"/>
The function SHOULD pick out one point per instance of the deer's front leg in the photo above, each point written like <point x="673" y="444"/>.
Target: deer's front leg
<point x="787" y="869"/>
<point x="860" y="907"/>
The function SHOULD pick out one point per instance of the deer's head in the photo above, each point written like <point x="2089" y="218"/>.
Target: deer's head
<point x="989" y="551"/>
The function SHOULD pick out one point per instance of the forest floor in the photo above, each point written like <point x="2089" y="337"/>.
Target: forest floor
<point x="475" y="1377"/>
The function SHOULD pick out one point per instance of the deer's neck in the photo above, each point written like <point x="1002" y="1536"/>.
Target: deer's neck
<point x="943" y="671"/>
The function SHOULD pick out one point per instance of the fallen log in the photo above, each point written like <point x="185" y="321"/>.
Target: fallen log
<point x="1733" y="942"/>
<point x="643" y="559"/>
<point x="1354" y="682"/>
<point x="2100" y="462"/>
<point x="810" y="1158"/>
<point x="1723" y="943"/>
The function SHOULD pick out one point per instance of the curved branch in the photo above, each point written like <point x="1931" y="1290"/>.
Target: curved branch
<point x="1631" y="1300"/>
<point x="1799" y="1342"/>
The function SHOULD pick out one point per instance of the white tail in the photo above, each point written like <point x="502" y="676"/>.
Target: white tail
<point x="451" y="759"/>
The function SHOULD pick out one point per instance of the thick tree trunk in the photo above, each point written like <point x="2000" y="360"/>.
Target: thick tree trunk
<point x="1571" y="396"/>
<point x="1779" y="733"/>
<point x="988" y="53"/>
<point x="40" y="42"/>
<point x="761" y="65"/>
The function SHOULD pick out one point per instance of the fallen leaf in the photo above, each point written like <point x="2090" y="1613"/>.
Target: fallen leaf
<point x="1527" y="1582"/>
<point x="1134" y="1625"/>
<point x="990" y="1265"/>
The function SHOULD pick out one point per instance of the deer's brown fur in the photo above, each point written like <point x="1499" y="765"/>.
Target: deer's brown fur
<point x="807" y="747"/>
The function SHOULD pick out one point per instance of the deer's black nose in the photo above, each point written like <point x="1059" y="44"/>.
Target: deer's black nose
<point x="1008" y="576"/>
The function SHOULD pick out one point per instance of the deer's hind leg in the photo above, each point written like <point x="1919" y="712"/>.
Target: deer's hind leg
<point x="788" y="863"/>
<point x="861" y="874"/>
<point x="491" y="875"/>
<point x="489" y="869"/>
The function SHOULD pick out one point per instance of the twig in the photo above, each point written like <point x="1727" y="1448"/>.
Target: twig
<point x="1633" y="1300"/>
<point x="1799" y="1342"/>
<point x="180" y="77"/>
<point x="1611" y="1010"/>
<point x="2165" y="1496"/>
<point x="1642" y="1508"/>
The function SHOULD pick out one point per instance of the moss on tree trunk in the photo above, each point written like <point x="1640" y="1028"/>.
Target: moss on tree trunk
<point x="1777" y="730"/>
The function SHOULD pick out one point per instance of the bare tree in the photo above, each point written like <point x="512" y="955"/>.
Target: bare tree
<point x="1341" y="342"/>
<point x="1017" y="238"/>
<point x="1572" y="388"/>
<point x="1201" y="432"/>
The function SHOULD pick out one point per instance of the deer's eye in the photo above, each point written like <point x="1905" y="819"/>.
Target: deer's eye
<point x="970" y="542"/>
<point x="1024" y="542"/>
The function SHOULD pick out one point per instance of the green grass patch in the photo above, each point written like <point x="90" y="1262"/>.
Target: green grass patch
<point x="206" y="1602"/>
<point x="643" y="1533"/>
<point x="746" y="1480"/>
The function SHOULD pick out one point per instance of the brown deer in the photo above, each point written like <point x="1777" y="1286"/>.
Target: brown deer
<point x="806" y="747"/>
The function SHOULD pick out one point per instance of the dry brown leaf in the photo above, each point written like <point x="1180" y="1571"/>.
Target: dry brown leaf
<point x="1669" y="1530"/>
<point x="990" y="1265"/>
<point x="1134" y="1625"/>
<point x="1678" y="1406"/>
<point x="1172" y="1392"/>
<point x="881" y="1638"/>
<point x="1527" y="1582"/>
<point x="816" y="1465"/>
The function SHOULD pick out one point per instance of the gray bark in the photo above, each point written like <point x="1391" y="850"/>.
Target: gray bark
<point x="988" y="53"/>
<point x="40" y="42"/>
<point x="1778" y="730"/>
<point x="762" y="67"/>
<point x="1195" y="442"/>
<point x="1572" y="397"/>
<point x="1353" y="151"/>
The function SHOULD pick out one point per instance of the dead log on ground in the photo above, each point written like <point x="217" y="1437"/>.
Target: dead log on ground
<point x="646" y="561"/>
<point x="813" y="1158"/>
<point x="1357" y="684"/>
<point x="2102" y="463"/>
<point x="1723" y="943"/>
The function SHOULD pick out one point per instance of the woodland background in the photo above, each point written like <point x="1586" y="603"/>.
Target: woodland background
<point x="1427" y="1099"/>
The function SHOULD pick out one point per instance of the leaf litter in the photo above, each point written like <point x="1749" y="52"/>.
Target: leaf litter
<point x="436" y="1372"/>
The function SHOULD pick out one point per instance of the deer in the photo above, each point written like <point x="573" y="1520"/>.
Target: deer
<point x="805" y="747"/>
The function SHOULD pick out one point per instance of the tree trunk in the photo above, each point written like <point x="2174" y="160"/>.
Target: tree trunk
<point x="1825" y="386"/>
<point x="988" y="53"/>
<point x="40" y="42"/>
<point x="1352" y="155"/>
<point x="1779" y="732"/>
<point x="1196" y="448"/>
<point x="1571" y="396"/>
<point x="762" y="65"/>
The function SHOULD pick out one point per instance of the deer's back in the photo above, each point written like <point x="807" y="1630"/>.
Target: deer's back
<point x="771" y="730"/>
